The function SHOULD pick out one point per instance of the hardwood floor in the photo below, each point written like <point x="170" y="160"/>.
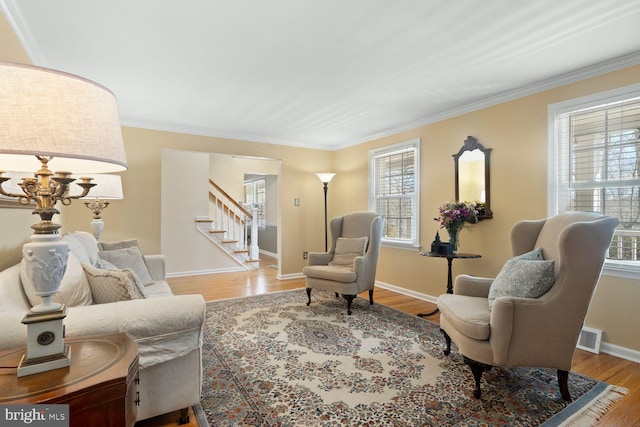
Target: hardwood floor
<point x="603" y="367"/>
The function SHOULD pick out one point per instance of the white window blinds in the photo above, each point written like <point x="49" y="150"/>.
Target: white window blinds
<point x="598" y="167"/>
<point x="394" y="191"/>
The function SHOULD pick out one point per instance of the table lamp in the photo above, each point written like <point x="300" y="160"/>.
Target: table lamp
<point x="51" y="117"/>
<point x="108" y="187"/>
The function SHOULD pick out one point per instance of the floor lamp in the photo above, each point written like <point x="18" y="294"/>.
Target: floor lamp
<point x="47" y="116"/>
<point x="325" y="178"/>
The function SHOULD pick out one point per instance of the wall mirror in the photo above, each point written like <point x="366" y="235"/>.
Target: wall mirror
<point x="472" y="175"/>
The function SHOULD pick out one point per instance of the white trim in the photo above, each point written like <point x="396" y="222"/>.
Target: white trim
<point x="407" y="292"/>
<point x="203" y="272"/>
<point x="621" y="352"/>
<point x="290" y="276"/>
<point x="625" y="270"/>
<point x="267" y="253"/>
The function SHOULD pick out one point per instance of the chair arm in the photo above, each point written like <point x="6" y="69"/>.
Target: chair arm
<point x="472" y="286"/>
<point x="164" y="328"/>
<point x="532" y="332"/>
<point x="155" y="264"/>
<point x="320" y="258"/>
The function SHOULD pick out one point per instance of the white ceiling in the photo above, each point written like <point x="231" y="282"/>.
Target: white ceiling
<point x="322" y="73"/>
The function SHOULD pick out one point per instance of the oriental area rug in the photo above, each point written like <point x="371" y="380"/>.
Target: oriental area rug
<point x="270" y="360"/>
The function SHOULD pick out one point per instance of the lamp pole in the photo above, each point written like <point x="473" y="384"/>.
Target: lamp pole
<point x="326" y="234"/>
<point x="325" y="178"/>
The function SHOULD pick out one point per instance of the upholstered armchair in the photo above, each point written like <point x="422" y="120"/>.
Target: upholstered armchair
<point x="349" y="267"/>
<point x="532" y="313"/>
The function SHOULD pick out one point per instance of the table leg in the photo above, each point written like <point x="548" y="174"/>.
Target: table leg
<point x="449" y="288"/>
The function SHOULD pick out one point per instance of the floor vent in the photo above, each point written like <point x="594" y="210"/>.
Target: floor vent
<point x="589" y="339"/>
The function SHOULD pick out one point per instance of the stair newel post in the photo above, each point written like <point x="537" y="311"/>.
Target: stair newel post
<point x="255" y="250"/>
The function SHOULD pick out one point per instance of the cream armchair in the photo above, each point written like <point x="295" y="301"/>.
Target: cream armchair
<point x="530" y="331"/>
<point x="349" y="267"/>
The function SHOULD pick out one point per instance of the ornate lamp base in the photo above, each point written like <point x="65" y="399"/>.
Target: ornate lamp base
<point x="46" y="349"/>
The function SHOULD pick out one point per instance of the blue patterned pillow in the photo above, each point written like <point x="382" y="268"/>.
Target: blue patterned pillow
<point x="522" y="278"/>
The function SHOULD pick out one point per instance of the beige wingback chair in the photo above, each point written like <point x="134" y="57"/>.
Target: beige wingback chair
<point x="532" y="332"/>
<point x="349" y="267"/>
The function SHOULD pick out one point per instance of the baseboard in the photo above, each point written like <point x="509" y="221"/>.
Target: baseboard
<point x="290" y="276"/>
<point x="407" y="292"/>
<point x="203" y="272"/>
<point x="621" y="352"/>
<point x="270" y="254"/>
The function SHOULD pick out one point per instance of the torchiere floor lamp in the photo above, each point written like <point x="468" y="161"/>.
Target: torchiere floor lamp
<point x="325" y="178"/>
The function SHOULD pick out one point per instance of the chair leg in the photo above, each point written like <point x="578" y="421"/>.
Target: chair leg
<point x="477" y="369"/>
<point x="309" y="295"/>
<point x="349" y="299"/>
<point x="563" y="382"/>
<point x="447" y="338"/>
<point x="371" y="296"/>
<point x="184" y="416"/>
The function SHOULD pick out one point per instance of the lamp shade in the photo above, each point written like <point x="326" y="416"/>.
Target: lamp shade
<point x="49" y="113"/>
<point x="108" y="186"/>
<point x="325" y="177"/>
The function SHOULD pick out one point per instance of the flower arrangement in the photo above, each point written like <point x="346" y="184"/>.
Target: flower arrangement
<point x="455" y="215"/>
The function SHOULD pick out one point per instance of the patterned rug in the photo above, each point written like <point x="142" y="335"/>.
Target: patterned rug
<point x="270" y="360"/>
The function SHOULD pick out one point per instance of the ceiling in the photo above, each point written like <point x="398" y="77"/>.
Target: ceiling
<point x="326" y="73"/>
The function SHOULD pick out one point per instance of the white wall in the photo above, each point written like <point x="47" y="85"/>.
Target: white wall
<point x="185" y="195"/>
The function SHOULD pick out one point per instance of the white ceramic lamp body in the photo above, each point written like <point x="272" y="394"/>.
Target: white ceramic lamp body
<point x="46" y="262"/>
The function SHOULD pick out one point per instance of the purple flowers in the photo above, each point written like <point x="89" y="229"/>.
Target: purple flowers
<point x="454" y="215"/>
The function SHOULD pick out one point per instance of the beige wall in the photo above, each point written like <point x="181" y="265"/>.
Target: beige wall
<point x="516" y="131"/>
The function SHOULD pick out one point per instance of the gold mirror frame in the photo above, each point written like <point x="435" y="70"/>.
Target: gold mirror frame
<point x="471" y="144"/>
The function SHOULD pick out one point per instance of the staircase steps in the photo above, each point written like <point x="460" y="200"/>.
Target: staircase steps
<point x="241" y="251"/>
<point x="253" y="260"/>
<point x="217" y="231"/>
<point x="229" y="241"/>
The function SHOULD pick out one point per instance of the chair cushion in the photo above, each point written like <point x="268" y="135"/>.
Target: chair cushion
<point x="347" y="248"/>
<point x="522" y="278"/>
<point x="335" y="273"/>
<point x="469" y="315"/>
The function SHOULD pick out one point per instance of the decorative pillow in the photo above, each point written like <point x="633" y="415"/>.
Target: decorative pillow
<point x="347" y="248"/>
<point x="111" y="285"/>
<point x="74" y="288"/>
<point x="129" y="258"/>
<point x="522" y="278"/>
<point x="112" y="246"/>
<point x="106" y="265"/>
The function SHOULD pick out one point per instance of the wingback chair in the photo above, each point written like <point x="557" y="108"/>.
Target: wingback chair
<point x="533" y="331"/>
<point x="349" y="267"/>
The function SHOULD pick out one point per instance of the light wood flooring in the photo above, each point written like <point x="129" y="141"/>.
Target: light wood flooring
<point x="603" y="367"/>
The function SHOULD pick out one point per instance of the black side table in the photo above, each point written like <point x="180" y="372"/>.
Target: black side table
<point x="450" y="258"/>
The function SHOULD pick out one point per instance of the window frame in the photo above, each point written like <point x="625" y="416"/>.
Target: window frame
<point x="616" y="268"/>
<point x="413" y="144"/>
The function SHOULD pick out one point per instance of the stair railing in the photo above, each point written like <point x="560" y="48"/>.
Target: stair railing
<point x="232" y="218"/>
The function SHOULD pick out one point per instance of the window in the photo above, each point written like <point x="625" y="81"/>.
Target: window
<point x="596" y="167"/>
<point x="394" y="188"/>
<point x="255" y="195"/>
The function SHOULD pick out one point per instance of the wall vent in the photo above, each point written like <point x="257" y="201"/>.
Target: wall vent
<point x="590" y="339"/>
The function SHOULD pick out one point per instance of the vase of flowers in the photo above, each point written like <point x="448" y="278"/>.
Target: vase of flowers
<point x="453" y="216"/>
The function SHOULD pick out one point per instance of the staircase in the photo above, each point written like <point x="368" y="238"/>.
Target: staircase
<point x="231" y="228"/>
